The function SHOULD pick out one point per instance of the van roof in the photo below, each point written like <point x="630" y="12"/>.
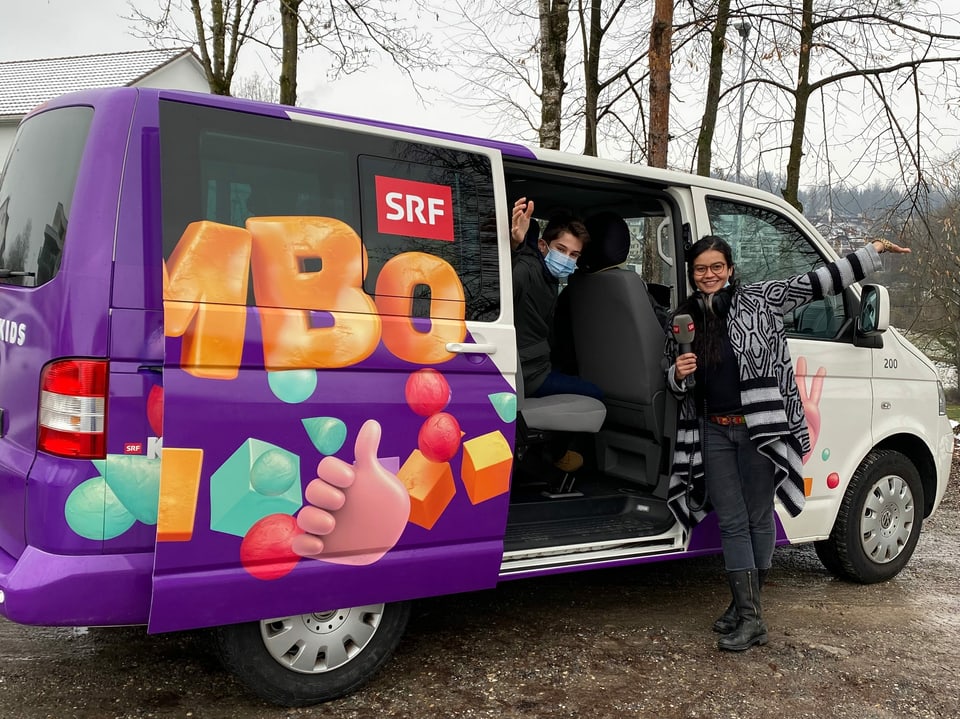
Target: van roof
<point x="569" y="160"/>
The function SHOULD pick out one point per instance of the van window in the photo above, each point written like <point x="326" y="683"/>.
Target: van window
<point x="768" y="246"/>
<point x="36" y="191"/>
<point x="398" y="196"/>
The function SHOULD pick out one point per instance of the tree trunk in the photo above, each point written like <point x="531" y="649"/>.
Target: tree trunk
<point x="791" y="193"/>
<point x="289" y="25"/>
<point x="554" y="25"/>
<point x="591" y="71"/>
<point x="219" y="49"/>
<point x="709" y="122"/>
<point x="661" y="32"/>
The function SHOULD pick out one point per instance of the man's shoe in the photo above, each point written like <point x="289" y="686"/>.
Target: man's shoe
<point x="569" y="462"/>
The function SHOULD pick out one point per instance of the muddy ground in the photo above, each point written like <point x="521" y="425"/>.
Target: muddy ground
<point x="617" y="643"/>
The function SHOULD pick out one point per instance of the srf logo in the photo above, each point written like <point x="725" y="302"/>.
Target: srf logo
<point x="414" y="209"/>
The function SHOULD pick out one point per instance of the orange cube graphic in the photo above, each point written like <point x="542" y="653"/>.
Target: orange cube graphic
<point x="430" y="485"/>
<point x="487" y="462"/>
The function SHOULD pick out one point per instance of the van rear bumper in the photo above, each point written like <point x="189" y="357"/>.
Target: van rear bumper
<point x="75" y="590"/>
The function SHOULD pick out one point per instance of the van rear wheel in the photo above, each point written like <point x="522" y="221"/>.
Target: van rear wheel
<point x="879" y="521"/>
<point x="311" y="658"/>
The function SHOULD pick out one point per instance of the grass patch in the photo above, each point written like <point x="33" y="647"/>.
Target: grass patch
<point x="953" y="412"/>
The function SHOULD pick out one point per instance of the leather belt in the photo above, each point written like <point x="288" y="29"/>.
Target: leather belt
<point x="727" y="419"/>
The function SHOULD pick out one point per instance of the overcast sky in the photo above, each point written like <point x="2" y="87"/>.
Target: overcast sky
<point x="31" y="29"/>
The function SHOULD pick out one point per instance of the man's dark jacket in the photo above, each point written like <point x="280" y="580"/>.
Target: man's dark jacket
<point x="534" y="298"/>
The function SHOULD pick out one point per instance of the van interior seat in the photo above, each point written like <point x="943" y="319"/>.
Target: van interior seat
<point x="563" y="412"/>
<point x="619" y="343"/>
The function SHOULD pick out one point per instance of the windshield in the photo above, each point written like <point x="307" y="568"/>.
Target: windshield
<point x="36" y="191"/>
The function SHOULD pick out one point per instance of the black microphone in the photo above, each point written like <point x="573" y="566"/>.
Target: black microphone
<point x="683" y="331"/>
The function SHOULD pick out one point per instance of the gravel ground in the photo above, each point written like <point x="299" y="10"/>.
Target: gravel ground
<point x="632" y="642"/>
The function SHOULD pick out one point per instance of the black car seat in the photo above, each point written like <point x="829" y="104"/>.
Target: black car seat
<point x="619" y="342"/>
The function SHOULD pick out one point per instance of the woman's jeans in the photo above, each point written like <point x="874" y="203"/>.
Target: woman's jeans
<point x="740" y="485"/>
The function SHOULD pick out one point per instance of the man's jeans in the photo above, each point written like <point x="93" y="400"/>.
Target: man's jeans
<point x="559" y="383"/>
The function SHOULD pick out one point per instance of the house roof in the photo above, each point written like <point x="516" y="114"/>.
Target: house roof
<point x="24" y="84"/>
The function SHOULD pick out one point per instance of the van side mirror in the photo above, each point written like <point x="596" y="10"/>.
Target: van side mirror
<point x="874" y="317"/>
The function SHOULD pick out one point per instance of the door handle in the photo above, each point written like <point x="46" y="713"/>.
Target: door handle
<point x="471" y="348"/>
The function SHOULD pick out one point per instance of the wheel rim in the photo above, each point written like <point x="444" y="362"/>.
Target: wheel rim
<point x="887" y="520"/>
<point x="321" y="642"/>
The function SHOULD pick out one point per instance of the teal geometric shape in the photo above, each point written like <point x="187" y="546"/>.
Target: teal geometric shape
<point x="135" y="479"/>
<point x="292" y="385"/>
<point x="240" y="490"/>
<point x="274" y="472"/>
<point x="505" y="403"/>
<point x="100" y="465"/>
<point x="327" y="433"/>
<point x="93" y="511"/>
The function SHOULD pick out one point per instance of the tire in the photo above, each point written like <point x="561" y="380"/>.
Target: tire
<point x="879" y="521"/>
<point x="311" y="658"/>
<point x="829" y="558"/>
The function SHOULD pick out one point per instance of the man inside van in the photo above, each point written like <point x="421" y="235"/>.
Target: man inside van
<point x="538" y="266"/>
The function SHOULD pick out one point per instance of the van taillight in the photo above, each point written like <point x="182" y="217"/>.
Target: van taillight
<point x="73" y="397"/>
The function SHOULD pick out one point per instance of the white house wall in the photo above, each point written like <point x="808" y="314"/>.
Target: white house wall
<point x="184" y="73"/>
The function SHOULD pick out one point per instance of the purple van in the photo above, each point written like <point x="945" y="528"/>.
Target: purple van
<point x="258" y="372"/>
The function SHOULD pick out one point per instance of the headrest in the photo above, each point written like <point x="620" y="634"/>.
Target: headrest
<point x="609" y="242"/>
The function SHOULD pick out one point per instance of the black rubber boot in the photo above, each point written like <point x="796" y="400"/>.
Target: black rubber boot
<point x="728" y="621"/>
<point x="750" y="630"/>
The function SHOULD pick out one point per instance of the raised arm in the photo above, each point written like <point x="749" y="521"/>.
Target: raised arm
<point x="830" y="279"/>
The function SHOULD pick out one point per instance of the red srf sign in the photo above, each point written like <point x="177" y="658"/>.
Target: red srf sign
<point x="414" y="209"/>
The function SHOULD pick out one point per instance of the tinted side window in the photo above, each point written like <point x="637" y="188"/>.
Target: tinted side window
<point x="36" y="192"/>
<point x="397" y="196"/>
<point x="768" y="246"/>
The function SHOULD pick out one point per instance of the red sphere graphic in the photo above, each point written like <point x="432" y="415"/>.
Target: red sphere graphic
<point x="439" y="437"/>
<point x="265" y="551"/>
<point x="155" y="409"/>
<point x="427" y="392"/>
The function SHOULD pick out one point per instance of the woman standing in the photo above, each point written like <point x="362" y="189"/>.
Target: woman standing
<point x="738" y="391"/>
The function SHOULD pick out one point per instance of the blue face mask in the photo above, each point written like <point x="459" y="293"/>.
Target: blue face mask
<point x="559" y="265"/>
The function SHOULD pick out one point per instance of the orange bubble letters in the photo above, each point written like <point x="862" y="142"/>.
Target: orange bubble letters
<point x="395" y="285"/>
<point x="205" y="295"/>
<point x="286" y="293"/>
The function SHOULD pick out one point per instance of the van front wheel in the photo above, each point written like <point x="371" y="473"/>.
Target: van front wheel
<point x="879" y="521"/>
<point x="312" y="658"/>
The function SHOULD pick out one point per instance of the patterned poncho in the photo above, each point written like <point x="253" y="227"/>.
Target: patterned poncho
<point x="768" y="387"/>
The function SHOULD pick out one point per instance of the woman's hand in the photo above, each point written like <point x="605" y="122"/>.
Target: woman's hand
<point x="520" y="221"/>
<point x="685" y="366"/>
<point x="888" y="246"/>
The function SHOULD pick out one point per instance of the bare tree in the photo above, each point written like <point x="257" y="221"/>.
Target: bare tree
<point x="554" y="29"/>
<point x="289" y="50"/>
<point x="218" y="34"/>
<point x="842" y="52"/>
<point x="354" y="34"/>
<point x="257" y="87"/>
<point x="661" y="33"/>
<point x="350" y="34"/>
<point x="496" y="54"/>
<point x="613" y="74"/>
<point x="708" y="123"/>
<point x="929" y="305"/>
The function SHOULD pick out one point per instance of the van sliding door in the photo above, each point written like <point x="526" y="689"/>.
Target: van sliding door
<point x="338" y="402"/>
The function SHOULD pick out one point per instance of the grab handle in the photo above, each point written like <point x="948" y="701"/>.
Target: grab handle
<point x="471" y="348"/>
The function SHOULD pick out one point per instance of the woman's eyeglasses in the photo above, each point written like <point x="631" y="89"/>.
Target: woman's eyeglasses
<point x="716" y="268"/>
